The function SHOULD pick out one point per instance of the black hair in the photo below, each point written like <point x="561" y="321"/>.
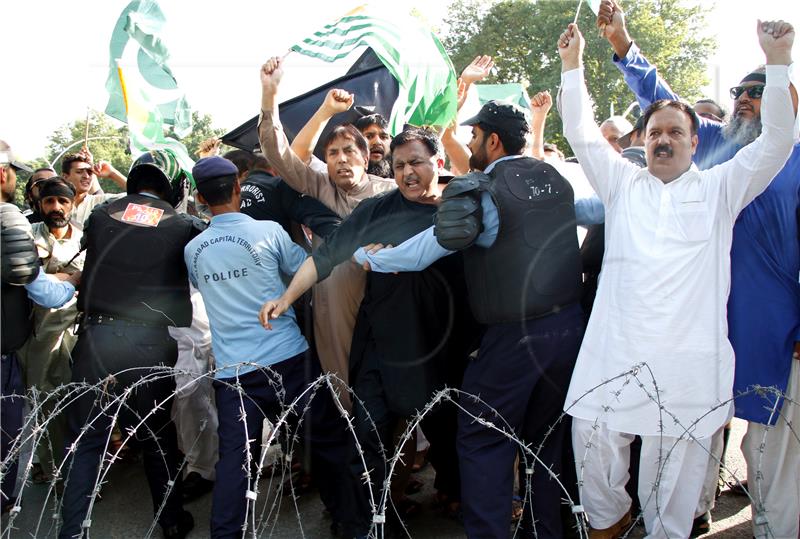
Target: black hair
<point x="217" y="191"/>
<point x="371" y="119"/>
<point x="55" y="180"/>
<point x="671" y="104"/>
<point x="66" y="163"/>
<point x="513" y="143"/>
<point x="260" y="163"/>
<point x="242" y="159"/>
<point x="347" y="131"/>
<point x="722" y="111"/>
<point x="426" y="136"/>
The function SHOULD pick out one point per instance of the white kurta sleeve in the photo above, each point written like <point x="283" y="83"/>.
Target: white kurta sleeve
<point x="604" y="168"/>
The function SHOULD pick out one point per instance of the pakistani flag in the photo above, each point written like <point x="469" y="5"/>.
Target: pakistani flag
<point x="413" y="55"/>
<point x="142" y="89"/>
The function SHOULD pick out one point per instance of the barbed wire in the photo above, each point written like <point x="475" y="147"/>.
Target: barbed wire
<point x="267" y="480"/>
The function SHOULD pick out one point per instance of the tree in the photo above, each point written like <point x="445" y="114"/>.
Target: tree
<point x="521" y="35"/>
<point x="201" y="130"/>
<point x="108" y="140"/>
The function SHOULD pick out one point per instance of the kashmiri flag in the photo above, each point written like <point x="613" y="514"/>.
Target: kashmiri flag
<point x="412" y="53"/>
<point x="142" y="90"/>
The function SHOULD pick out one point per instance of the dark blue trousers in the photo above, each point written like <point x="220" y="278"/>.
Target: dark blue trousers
<point x="11" y="402"/>
<point x="129" y="353"/>
<point x="322" y="428"/>
<point x="523" y="370"/>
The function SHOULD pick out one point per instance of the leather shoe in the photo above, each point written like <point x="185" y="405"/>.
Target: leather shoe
<point x="194" y="486"/>
<point x="182" y="528"/>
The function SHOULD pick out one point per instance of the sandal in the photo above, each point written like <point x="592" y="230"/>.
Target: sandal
<point x="701" y="525"/>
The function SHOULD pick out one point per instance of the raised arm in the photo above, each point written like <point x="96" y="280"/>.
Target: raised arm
<point x="750" y="171"/>
<point x="275" y="145"/>
<point x="640" y="76"/>
<point x="604" y="167"/>
<point x="306" y="140"/>
<point x="476" y="71"/>
<point x="540" y="106"/>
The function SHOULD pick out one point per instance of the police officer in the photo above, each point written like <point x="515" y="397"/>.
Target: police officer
<point x="135" y="285"/>
<point x="22" y="281"/>
<point x="515" y="223"/>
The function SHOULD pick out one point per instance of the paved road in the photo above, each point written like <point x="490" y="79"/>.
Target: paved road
<point x="125" y="511"/>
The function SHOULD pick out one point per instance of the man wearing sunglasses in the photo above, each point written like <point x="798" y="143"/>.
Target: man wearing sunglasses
<point x="79" y="170"/>
<point x="764" y="301"/>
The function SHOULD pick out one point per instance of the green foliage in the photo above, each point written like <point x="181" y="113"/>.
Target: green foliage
<point x="201" y="130"/>
<point x="108" y="140"/>
<point x="521" y="35"/>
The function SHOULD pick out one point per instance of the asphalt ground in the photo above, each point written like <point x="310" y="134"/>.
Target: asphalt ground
<point x="125" y="510"/>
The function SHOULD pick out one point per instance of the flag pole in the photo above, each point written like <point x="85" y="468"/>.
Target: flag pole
<point x="86" y="131"/>
<point x="577" y="12"/>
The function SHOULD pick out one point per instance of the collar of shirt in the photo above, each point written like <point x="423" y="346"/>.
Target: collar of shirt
<point x="230" y="217"/>
<point x="493" y="164"/>
<point x="148" y="195"/>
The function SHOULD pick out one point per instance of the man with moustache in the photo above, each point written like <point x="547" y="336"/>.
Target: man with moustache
<point x="33" y="214"/>
<point x="374" y="127"/>
<point x="341" y="188"/>
<point x="515" y="223"/>
<point x="659" y="317"/>
<point x="46" y="355"/>
<point x="764" y="303"/>
<point x="22" y="281"/>
<point x="412" y="328"/>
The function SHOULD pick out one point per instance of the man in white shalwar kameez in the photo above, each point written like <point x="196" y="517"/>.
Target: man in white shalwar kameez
<point x="660" y="312"/>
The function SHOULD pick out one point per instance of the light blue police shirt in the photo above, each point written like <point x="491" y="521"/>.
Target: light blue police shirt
<point x="236" y="265"/>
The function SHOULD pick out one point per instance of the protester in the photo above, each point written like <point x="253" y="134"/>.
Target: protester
<point x="710" y="110"/>
<point x="763" y="319"/>
<point x="613" y="129"/>
<point x="527" y="354"/>
<point x="397" y="372"/>
<point x="46" y="355"/>
<point x="22" y="281"/>
<point x="32" y="193"/>
<point x="79" y="170"/>
<point x="345" y="184"/>
<point x="678" y="289"/>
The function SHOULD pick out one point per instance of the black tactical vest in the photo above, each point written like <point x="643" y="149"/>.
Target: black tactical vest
<point x="534" y="266"/>
<point x="136" y="271"/>
<point x="16" y="318"/>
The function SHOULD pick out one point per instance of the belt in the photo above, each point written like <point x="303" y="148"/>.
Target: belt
<point x="109" y="320"/>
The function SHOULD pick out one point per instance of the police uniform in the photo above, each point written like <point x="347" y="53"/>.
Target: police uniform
<point x="235" y="264"/>
<point x="515" y="226"/>
<point x="134" y="285"/>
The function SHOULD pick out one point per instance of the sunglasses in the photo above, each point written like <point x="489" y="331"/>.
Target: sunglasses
<point x="754" y="92"/>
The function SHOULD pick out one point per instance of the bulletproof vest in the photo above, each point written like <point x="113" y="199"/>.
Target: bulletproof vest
<point x="134" y="265"/>
<point x="533" y="268"/>
<point x="16" y="321"/>
<point x="20" y="265"/>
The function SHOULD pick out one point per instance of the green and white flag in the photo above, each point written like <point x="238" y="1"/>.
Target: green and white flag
<point x="412" y="54"/>
<point x="142" y="90"/>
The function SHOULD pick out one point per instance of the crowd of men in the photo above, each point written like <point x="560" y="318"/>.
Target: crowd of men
<point x="454" y="307"/>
